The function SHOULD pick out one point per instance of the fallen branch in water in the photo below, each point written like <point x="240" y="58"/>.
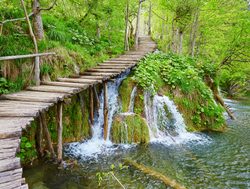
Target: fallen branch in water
<point x="167" y="181"/>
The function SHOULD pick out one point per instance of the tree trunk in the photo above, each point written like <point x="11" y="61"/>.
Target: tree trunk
<point x="173" y="45"/>
<point x="180" y="42"/>
<point x="150" y="18"/>
<point x="137" y="30"/>
<point x="37" y="60"/>
<point x="98" y="31"/>
<point x="37" y="21"/>
<point x="1" y="29"/>
<point x="193" y="33"/>
<point x="126" y="40"/>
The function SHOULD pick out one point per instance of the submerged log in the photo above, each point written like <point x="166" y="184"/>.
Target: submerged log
<point x="166" y="180"/>
<point x="105" y="128"/>
<point x="59" y="131"/>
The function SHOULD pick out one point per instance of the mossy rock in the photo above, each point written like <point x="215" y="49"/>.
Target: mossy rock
<point x="125" y="90"/>
<point x="129" y="128"/>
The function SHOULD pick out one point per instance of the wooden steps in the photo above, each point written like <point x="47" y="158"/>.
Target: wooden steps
<point x="19" y="109"/>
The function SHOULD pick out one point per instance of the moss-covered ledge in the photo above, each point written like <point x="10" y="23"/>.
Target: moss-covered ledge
<point x="129" y="128"/>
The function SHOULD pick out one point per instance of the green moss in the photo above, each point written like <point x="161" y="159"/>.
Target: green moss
<point x="129" y="129"/>
<point x="125" y="90"/>
<point x="139" y="102"/>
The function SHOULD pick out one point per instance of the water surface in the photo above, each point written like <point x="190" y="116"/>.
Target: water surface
<point x="220" y="161"/>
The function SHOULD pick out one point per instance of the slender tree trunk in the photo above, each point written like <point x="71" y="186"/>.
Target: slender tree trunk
<point x="1" y="29"/>
<point x="180" y="42"/>
<point x="126" y="40"/>
<point x="150" y="18"/>
<point x="37" y="60"/>
<point x="162" y="29"/>
<point x="37" y="20"/>
<point x="193" y="33"/>
<point x="137" y="30"/>
<point x="98" y="31"/>
<point x="173" y="49"/>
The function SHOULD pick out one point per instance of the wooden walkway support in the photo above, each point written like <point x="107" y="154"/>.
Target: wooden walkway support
<point x="19" y="109"/>
<point x="105" y="110"/>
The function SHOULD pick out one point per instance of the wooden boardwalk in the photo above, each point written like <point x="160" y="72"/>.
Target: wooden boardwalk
<point x="17" y="110"/>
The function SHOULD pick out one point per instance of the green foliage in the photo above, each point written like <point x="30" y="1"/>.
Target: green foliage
<point x="28" y="150"/>
<point x="5" y="86"/>
<point x="234" y="80"/>
<point x="182" y="78"/>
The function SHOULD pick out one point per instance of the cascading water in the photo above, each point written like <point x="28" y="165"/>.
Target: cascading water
<point x="97" y="145"/>
<point x="132" y="100"/>
<point x="165" y="123"/>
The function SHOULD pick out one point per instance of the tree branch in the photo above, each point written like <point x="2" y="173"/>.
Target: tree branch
<point x="16" y="19"/>
<point x="50" y="7"/>
<point x="30" y="15"/>
<point x="159" y="16"/>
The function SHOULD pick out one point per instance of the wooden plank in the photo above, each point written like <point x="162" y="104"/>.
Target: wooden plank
<point x="9" y="122"/>
<point x="91" y="77"/>
<point x="24" y="186"/>
<point x="109" y="66"/>
<point x="34" y="96"/>
<point x="57" y="89"/>
<point x="9" y="143"/>
<point x="66" y="84"/>
<point x="106" y="70"/>
<point x="100" y="74"/>
<point x="9" y="164"/>
<point x="12" y="184"/>
<point x="125" y="59"/>
<point x="8" y="176"/>
<point x="25" y="103"/>
<point x="120" y="61"/>
<point x="79" y="80"/>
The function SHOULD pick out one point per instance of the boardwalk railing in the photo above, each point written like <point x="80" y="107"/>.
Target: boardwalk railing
<point x="36" y="56"/>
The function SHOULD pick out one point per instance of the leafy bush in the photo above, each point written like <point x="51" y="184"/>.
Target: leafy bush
<point x="181" y="78"/>
<point x="5" y="86"/>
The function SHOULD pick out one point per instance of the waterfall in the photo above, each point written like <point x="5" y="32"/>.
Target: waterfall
<point x="97" y="145"/>
<point x="132" y="100"/>
<point x="165" y="122"/>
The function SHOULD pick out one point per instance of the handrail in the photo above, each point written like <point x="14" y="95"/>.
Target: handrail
<point x="25" y="56"/>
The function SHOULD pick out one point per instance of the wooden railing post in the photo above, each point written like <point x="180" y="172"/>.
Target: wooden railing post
<point x="37" y="71"/>
<point x="105" y="110"/>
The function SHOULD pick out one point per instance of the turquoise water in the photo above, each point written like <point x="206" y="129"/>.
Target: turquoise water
<point x="220" y="161"/>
